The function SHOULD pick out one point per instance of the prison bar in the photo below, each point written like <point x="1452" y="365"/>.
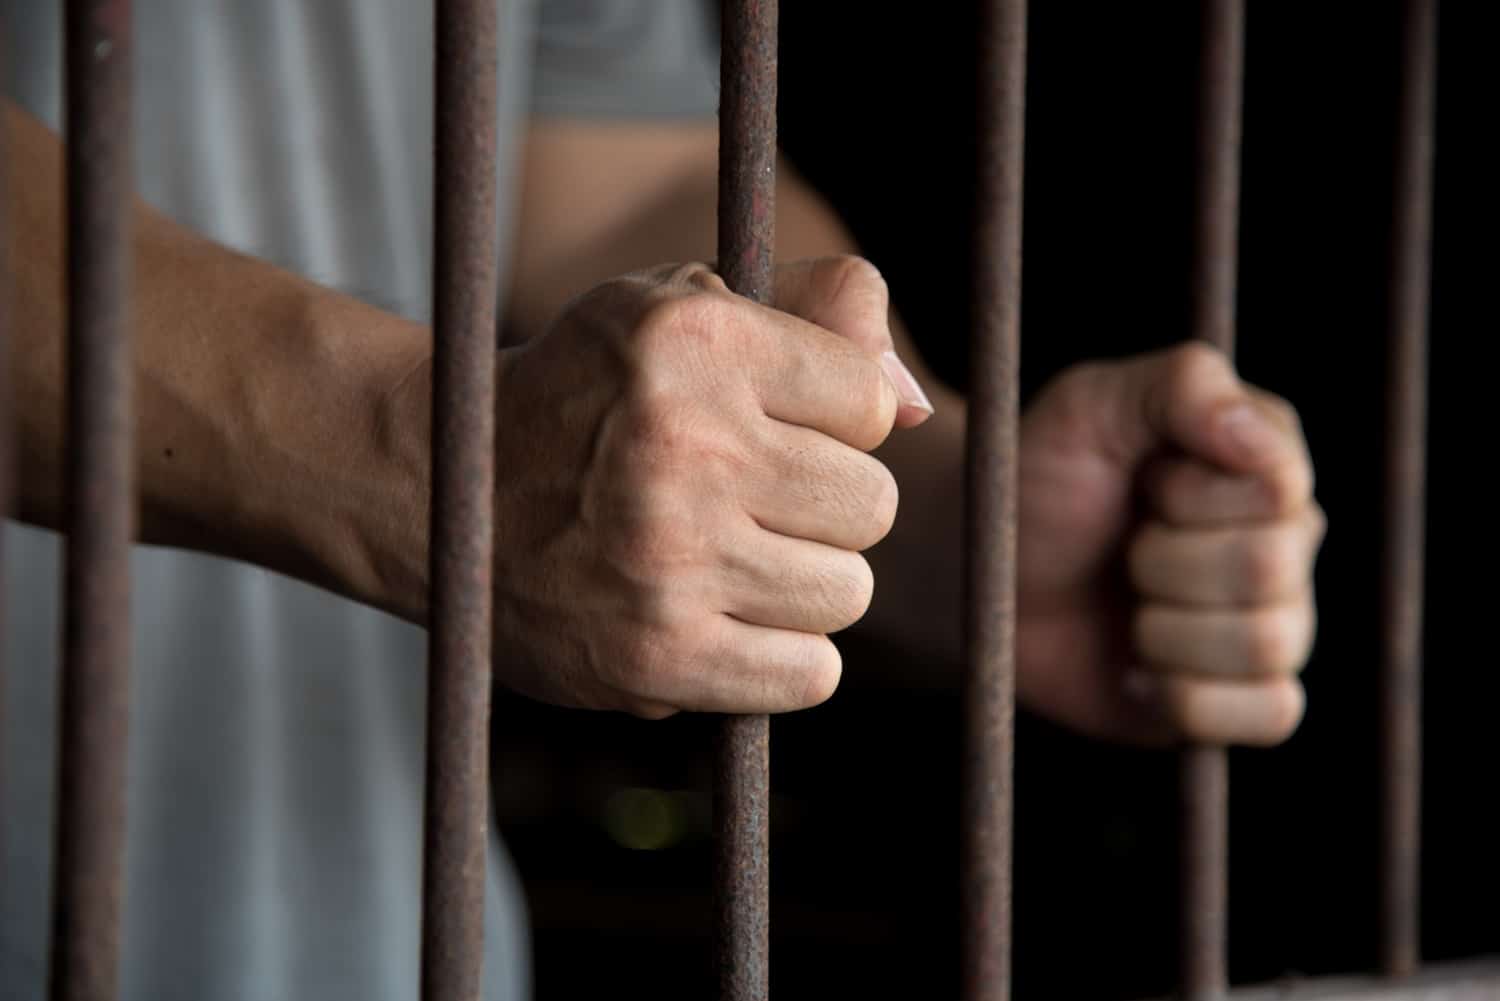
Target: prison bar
<point x="747" y="238"/>
<point x="465" y="288"/>
<point x="88" y="866"/>
<point x="1204" y="843"/>
<point x="991" y="497"/>
<point x="1405" y="507"/>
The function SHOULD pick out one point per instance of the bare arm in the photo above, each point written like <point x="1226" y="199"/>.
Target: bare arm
<point x="256" y="433"/>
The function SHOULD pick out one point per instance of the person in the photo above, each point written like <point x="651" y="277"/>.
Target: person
<point x="686" y="482"/>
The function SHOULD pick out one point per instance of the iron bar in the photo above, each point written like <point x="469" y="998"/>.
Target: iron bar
<point x="1204" y="878"/>
<point x="747" y="237"/>
<point x="990" y="550"/>
<point x="465" y="287"/>
<point x="88" y="881"/>
<point x="1405" y="492"/>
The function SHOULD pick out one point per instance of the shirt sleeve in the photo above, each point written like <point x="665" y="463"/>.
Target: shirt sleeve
<point x="614" y="59"/>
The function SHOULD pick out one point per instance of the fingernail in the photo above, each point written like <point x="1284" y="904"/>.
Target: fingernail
<point x="1251" y="433"/>
<point x="907" y="389"/>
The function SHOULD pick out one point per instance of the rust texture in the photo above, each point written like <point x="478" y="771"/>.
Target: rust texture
<point x="88" y="868"/>
<point x="746" y="240"/>
<point x="465" y="287"/>
<point x="747" y="230"/>
<point x="1204" y="877"/>
<point x="1405" y="492"/>
<point x="990" y="550"/>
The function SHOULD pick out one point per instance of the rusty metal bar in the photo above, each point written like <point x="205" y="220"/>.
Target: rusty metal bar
<point x="1474" y="980"/>
<point x="990" y="550"/>
<point x="1405" y="491"/>
<point x="88" y="866"/>
<point x="465" y="287"/>
<point x="747" y="239"/>
<point x="1204" y="877"/>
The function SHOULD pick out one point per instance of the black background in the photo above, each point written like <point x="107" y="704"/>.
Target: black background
<point x="876" y="109"/>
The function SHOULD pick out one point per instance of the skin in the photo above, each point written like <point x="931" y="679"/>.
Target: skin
<point x="686" y="478"/>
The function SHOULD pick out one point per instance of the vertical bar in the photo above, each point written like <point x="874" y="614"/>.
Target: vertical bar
<point x="465" y="287"/>
<point x="990" y="570"/>
<point x="88" y="865"/>
<point x="1406" y="472"/>
<point x="1204" y="875"/>
<point x="747" y="235"/>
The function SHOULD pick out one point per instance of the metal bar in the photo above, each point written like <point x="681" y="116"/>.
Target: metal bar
<point x="990" y="571"/>
<point x="747" y="237"/>
<point x="1204" y="878"/>
<point x="88" y="865"/>
<point x="1466" y="981"/>
<point x="1405" y="491"/>
<point x="465" y="287"/>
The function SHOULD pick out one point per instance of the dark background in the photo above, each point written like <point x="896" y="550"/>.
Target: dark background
<point x="608" y="817"/>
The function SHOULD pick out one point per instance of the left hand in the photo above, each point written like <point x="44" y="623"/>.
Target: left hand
<point x="1167" y="540"/>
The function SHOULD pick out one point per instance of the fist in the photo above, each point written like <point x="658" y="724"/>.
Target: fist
<point x="1168" y="536"/>
<point x="684" y="490"/>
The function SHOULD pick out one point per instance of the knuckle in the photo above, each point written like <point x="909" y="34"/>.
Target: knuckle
<point x="884" y="500"/>
<point x="695" y="275"/>
<point x="1272" y="644"/>
<point x="1270" y="561"/>
<point x="1318" y="522"/>
<point x="875" y="405"/>
<point x="855" y="277"/>
<point x="673" y="322"/>
<point x="1182" y="705"/>
<point x="1194" y="363"/>
<point x="1287" y="704"/>
<point x="823" y="671"/>
<point x="856" y="590"/>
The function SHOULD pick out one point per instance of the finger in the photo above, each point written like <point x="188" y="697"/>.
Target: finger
<point x="846" y="295"/>
<point x="1248" y="643"/>
<point x="786" y="583"/>
<point x="809" y="486"/>
<point x="755" y="669"/>
<point x="1190" y="398"/>
<point x="814" y="378"/>
<point x="1188" y="492"/>
<point x="1210" y="711"/>
<point x="843" y="293"/>
<point x="1261" y="563"/>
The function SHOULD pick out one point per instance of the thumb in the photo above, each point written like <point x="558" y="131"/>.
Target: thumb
<point x="846" y="295"/>
<point x="1188" y="398"/>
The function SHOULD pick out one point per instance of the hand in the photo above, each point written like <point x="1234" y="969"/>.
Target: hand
<point x="1167" y="540"/>
<point x="683" y="490"/>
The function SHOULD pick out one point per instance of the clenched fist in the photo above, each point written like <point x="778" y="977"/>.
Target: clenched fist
<point x="684" y="489"/>
<point x="1167" y="539"/>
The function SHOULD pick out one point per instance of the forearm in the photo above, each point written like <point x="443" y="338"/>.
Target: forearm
<point x="256" y="433"/>
<point x="577" y="231"/>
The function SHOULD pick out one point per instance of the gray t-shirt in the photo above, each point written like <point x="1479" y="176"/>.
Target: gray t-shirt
<point x="276" y="733"/>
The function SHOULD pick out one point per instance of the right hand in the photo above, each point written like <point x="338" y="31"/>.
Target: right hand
<point x="683" y="490"/>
